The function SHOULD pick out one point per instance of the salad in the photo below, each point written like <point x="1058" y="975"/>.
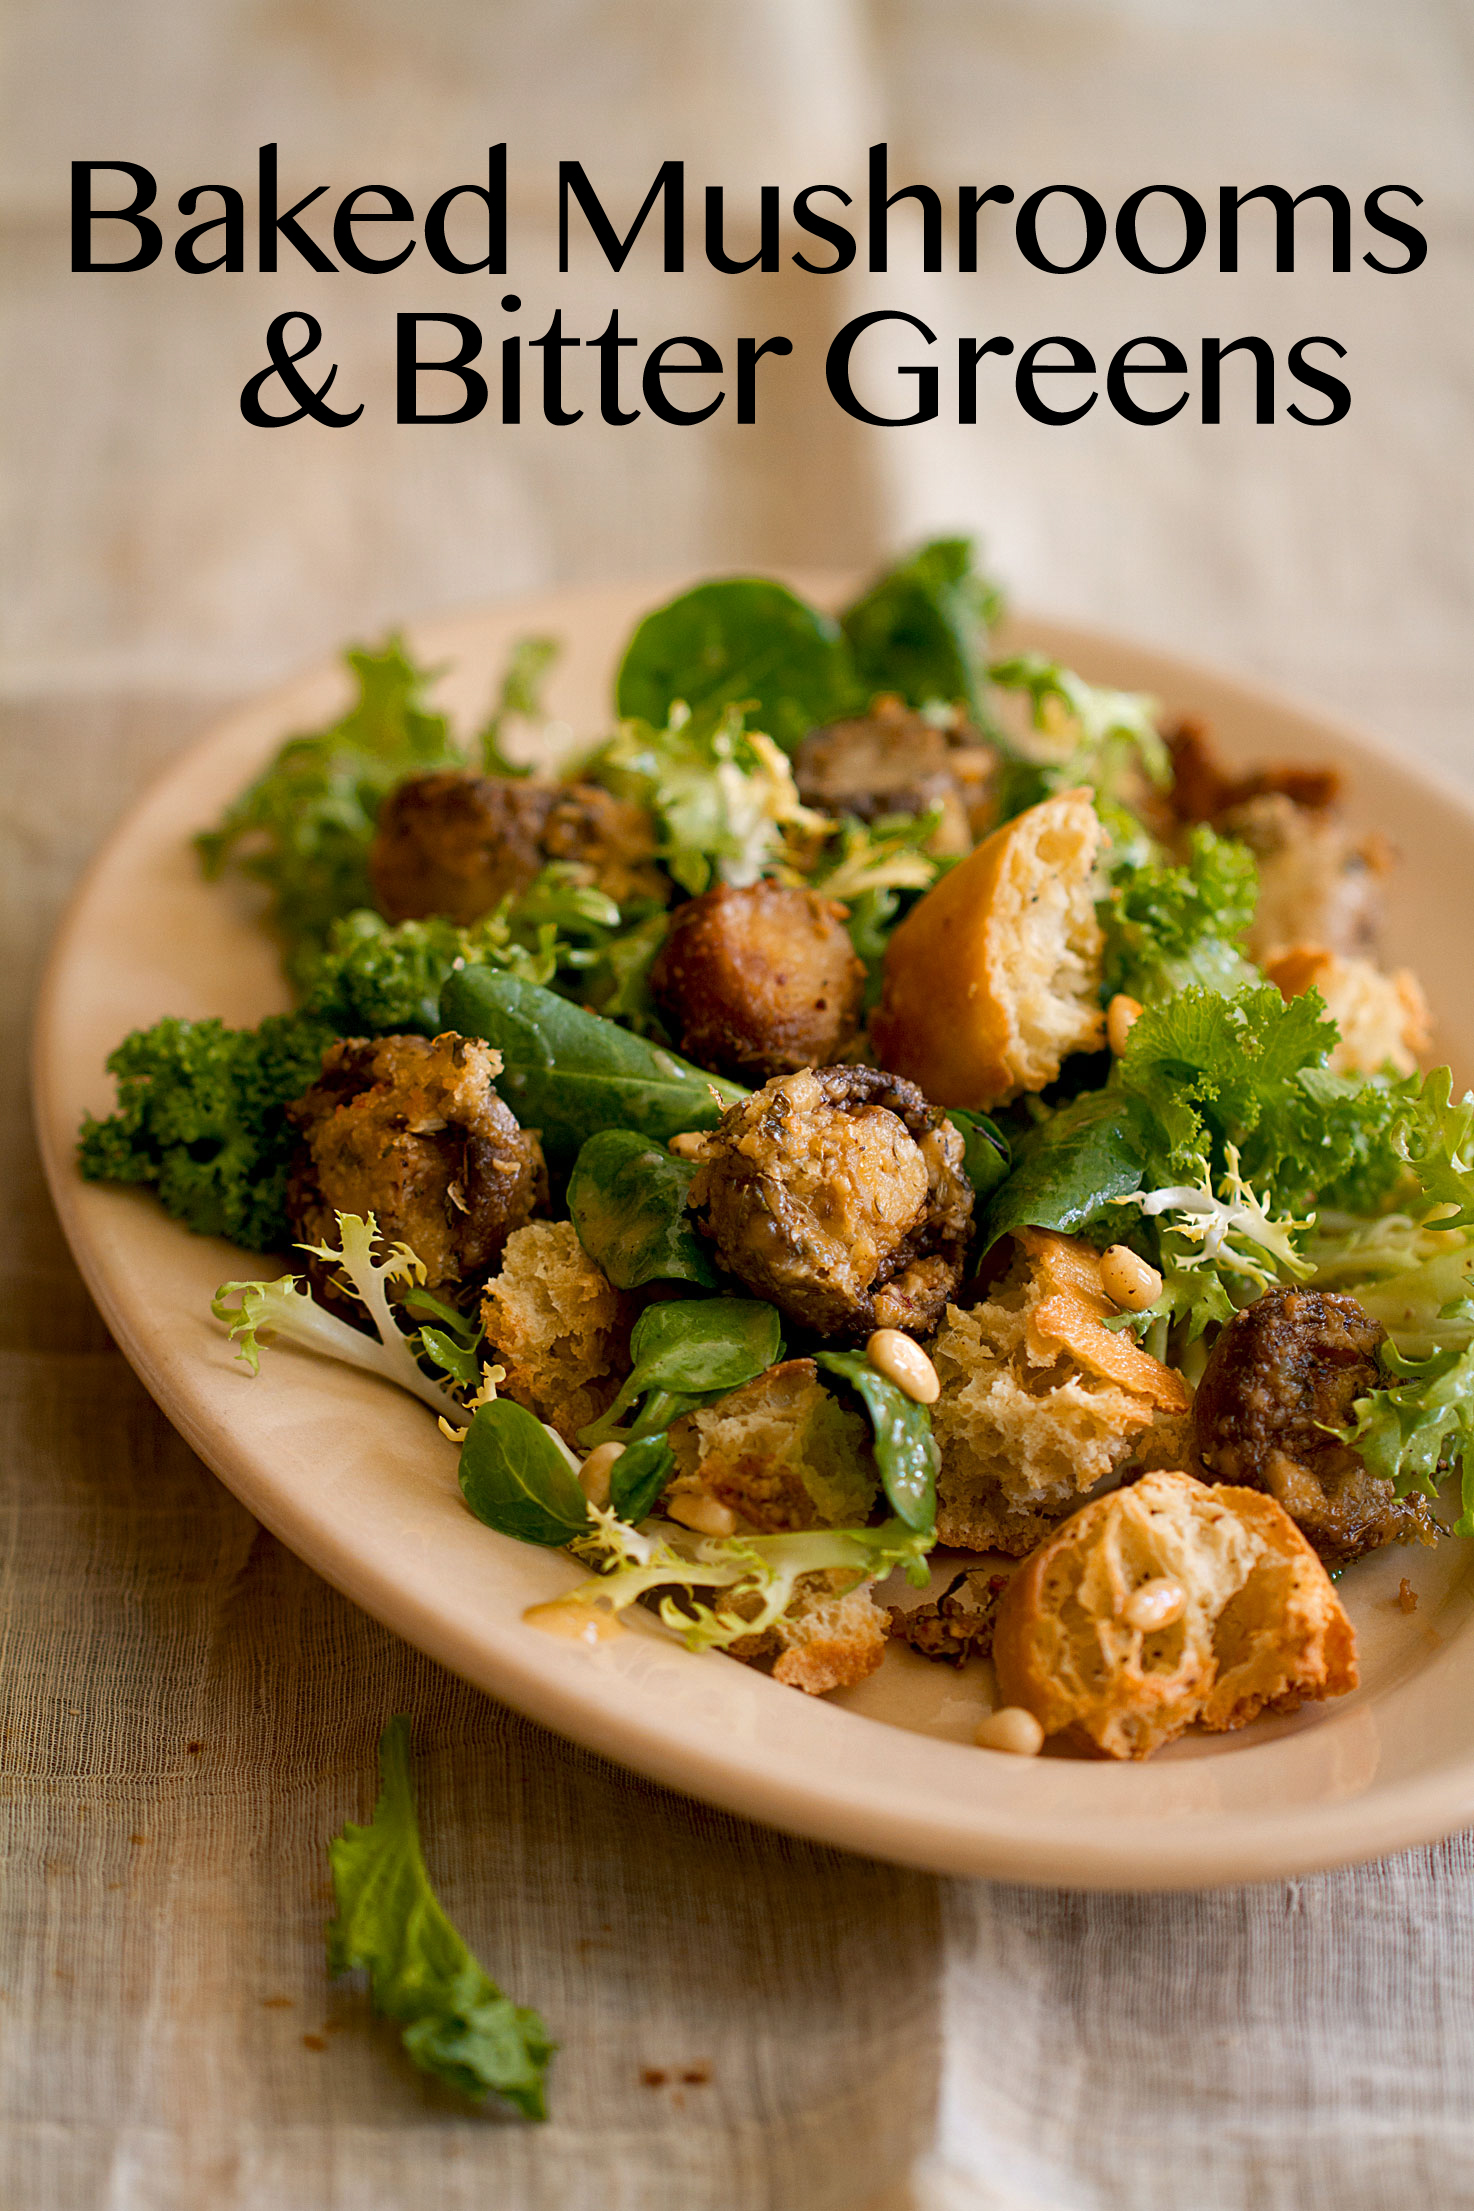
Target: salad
<point x="878" y="1094"/>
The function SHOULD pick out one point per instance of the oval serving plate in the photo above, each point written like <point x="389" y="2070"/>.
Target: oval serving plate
<point x="354" y="1477"/>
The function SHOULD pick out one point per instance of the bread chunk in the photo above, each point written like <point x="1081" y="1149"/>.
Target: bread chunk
<point x="1166" y="1605"/>
<point x="1040" y="1402"/>
<point x="782" y="1452"/>
<point x="1319" y="882"/>
<point x="760" y="981"/>
<point x="558" y="1325"/>
<point x="993" y="978"/>
<point x="1383" y="1019"/>
<point x="832" y="1636"/>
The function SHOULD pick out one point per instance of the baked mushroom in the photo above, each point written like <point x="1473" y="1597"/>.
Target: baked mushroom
<point x="895" y="761"/>
<point x="838" y="1194"/>
<point x="1281" y="1380"/>
<point x="760" y="981"/>
<point x="413" y="1132"/>
<point x="457" y="844"/>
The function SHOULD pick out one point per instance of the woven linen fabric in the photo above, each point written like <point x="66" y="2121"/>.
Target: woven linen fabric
<point x="748" y="2023"/>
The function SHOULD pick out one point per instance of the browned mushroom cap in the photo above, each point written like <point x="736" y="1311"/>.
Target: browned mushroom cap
<point x="1286" y="1370"/>
<point x="839" y="1195"/>
<point x="760" y="981"/>
<point x="457" y="844"/>
<point x="894" y="761"/>
<point x="413" y="1132"/>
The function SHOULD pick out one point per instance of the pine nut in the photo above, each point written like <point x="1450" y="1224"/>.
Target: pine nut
<point x="1129" y="1283"/>
<point x="690" y="1144"/>
<point x="1013" y="1729"/>
<point x="593" y="1475"/>
<point x="1122" y="1015"/>
<point x="1155" y="1604"/>
<point x="574" y="1622"/>
<point x="705" y="1514"/>
<point x="893" y="1354"/>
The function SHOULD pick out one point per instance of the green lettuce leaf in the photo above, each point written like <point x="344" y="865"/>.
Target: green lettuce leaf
<point x="519" y="1477"/>
<point x="921" y="629"/>
<point x="457" y="2024"/>
<point x="303" y="827"/>
<point x="627" y="1199"/>
<point x="1167" y="927"/>
<point x="905" y="1448"/>
<point x="745" y="642"/>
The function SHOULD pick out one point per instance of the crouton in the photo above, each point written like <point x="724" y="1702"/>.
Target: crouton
<point x="832" y="1636"/>
<point x="1383" y="1019"/>
<point x="1319" y="883"/>
<point x="559" y="1327"/>
<point x="993" y="978"/>
<point x="782" y="1453"/>
<point x="1040" y="1402"/>
<point x="1166" y="1605"/>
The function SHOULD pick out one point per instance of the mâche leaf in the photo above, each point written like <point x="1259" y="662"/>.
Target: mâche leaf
<point x="457" y="2024"/>
<point x="639" y="1475"/>
<point x="744" y="642"/>
<point x="627" y="1199"/>
<point x="986" y="1156"/>
<point x="905" y="1448"/>
<point x="569" y="1073"/>
<point x="684" y="1352"/>
<point x="518" y="1477"/>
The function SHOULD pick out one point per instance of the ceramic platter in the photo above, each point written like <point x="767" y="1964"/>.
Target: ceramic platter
<point x="356" y="1479"/>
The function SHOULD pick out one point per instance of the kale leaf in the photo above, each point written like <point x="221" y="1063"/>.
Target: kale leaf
<point x="200" y="1119"/>
<point x="1167" y="927"/>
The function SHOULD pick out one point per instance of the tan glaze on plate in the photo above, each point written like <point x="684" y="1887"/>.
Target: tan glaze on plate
<point x="355" y="1478"/>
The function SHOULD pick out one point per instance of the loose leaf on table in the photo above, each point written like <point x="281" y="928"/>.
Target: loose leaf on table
<point x="518" y="1477"/>
<point x="684" y="1352"/>
<point x="905" y="1448"/>
<point x="569" y="1073"/>
<point x="627" y="1199"/>
<point x="922" y="629"/>
<point x="639" y="1475"/>
<point x="743" y="642"/>
<point x="1071" y="1167"/>
<point x="457" y="2023"/>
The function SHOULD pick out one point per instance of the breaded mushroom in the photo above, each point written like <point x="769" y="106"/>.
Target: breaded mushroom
<point x="1281" y="1380"/>
<point x="760" y="981"/>
<point x="896" y="761"/>
<point x="838" y="1194"/>
<point x="455" y="843"/>
<point x="413" y="1132"/>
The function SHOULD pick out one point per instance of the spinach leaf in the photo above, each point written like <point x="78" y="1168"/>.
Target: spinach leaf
<point x="685" y="1352"/>
<point x="627" y="1199"/>
<point x="456" y="2022"/>
<point x="516" y="1477"/>
<point x="922" y="629"/>
<point x="742" y="642"/>
<point x="905" y="1448"/>
<point x="569" y="1073"/>
<point x="1092" y="1150"/>
<point x="639" y="1475"/>
<point x="985" y="1152"/>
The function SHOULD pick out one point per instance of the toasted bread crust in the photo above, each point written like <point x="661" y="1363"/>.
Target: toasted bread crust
<point x="992" y="979"/>
<point x="1260" y="1628"/>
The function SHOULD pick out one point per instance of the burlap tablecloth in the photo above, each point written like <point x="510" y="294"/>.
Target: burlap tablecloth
<point x="188" y="1713"/>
